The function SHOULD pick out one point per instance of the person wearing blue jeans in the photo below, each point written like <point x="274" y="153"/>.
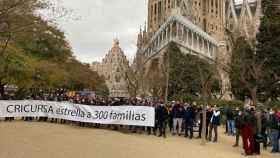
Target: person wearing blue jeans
<point x="275" y="120"/>
<point x="231" y="127"/>
<point x="275" y="140"/>
<point x="230" y="121"/>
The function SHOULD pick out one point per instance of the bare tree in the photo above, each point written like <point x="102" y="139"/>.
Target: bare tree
<point x="207" y="79"/>
<point x="133" y="81"/>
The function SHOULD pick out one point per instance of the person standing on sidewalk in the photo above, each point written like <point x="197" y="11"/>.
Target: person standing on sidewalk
<point x="237" y="122"/>
<point x="230" y="121"/>
<point x="214" y="124"/>
<point x="178" y="114"/>
<point x="247" y="133"/>
<point x="162" y="117"/>
<point x="275" y="127"/>
<point x="189" y="118"/>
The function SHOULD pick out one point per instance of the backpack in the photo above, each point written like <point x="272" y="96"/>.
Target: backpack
<point x="259" y="138"/>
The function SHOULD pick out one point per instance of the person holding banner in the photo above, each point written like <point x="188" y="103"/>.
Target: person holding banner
<point x="155" y="128"/>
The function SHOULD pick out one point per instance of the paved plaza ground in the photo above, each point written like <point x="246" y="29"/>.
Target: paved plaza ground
<point x="45" y="140"/>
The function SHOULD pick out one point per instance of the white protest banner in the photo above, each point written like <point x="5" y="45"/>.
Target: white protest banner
<point x="123" y="115"/>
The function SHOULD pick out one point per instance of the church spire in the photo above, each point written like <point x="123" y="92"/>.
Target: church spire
<point x="116" y="42"/>
<point x="145" y="27"/>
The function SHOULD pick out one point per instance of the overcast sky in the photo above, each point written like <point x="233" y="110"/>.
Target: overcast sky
<point x="101" y="21"/>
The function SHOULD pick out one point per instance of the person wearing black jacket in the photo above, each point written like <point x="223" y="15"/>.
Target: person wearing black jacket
<point x="214" y="123"/>
<point x="161" y="117"/>
<point x="189" y="118"/>
<point x="275" y="127"/>
<point x="237" y="122"/>
<point x="155" y="128"/>
<point x="178" y="114"/>
<point x="230" y="121"/>
<point x="264" y="127"/>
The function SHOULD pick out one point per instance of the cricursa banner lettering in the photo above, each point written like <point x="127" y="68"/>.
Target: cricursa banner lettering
<point x="125" y="115"/>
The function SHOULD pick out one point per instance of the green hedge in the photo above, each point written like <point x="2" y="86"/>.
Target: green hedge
<point x="224" y="103"/>
<point x="199" y="101"/>
<point x="273" y="104"/>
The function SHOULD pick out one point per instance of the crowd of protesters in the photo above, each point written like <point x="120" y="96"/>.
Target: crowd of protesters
<point x="254" y="126"/>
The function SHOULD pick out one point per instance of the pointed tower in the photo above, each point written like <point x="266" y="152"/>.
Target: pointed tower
<point x="114" y="67"/>
<point x="140" y="39"/>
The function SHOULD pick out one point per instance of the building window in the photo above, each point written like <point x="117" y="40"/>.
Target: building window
<point x="155" y="10"/>
<point x="118" y="79"/>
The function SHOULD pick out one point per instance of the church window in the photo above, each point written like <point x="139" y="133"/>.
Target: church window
<point x="169" y="4"/>
<point x="155" y="10"/>
<point x="159" y="9"/>
<point x="204" y="25"/>
<point x="118" y="79"/>
<point x="118" y="70"/>
<point x="216" y="5"/>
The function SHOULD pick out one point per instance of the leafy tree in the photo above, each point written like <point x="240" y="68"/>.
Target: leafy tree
<point x="247" y="70"/>
<point x="80" y="77"/>
<point x="268" y="48"/>
<point x="16" y="17"/>
<point x="15" y="68"/>
<point x="34" y="53"/>
<point x="190" y="75"/>
<point x="185" y="74"/>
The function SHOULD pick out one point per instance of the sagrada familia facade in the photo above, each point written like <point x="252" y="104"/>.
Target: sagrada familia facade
<point x="205" y="28"/>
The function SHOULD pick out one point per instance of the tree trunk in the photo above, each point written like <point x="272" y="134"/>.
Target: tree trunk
<point x="203" y="132"/>
<point x="254" y="96"/>
<point x="167" y="79"/>
<point x="166" y="88"/>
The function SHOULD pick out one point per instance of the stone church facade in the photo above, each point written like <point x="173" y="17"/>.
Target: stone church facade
<point x="113" y="68"/>
<point x="221" y="19"/>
